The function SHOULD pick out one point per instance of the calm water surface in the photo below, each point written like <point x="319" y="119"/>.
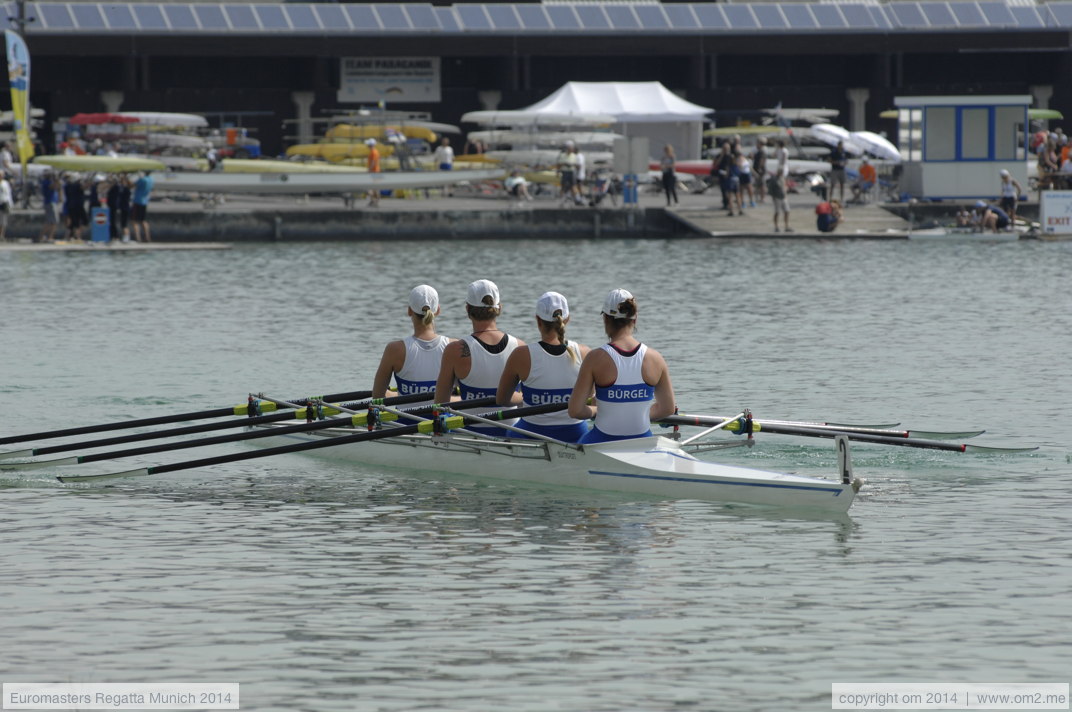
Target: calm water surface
<point x="321" y="587"/>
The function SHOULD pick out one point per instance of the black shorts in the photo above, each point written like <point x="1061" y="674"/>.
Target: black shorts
<point x="137" y="212"/>
<point x="1008" y="204"/>
<point x="567" y="180"/>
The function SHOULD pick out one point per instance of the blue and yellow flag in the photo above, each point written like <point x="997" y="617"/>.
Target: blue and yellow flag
<point x="18" y="72"/>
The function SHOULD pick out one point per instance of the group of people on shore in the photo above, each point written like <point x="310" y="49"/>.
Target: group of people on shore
<point x="756" y="175"/>
<point x="629" y="381"/>
<point x="68" y="199"/>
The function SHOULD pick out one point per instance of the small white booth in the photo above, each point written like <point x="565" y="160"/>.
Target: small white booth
<point x="954" y="146"/>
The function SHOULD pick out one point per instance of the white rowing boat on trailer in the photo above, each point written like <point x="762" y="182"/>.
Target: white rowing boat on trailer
<point x="656" y="466"/>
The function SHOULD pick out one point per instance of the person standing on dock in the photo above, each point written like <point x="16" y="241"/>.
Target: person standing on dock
<point x="838" y="160"/>
<point x="630" y="381"/>
<point x="547" y="372"/>
<point x="476" y="362"/>
<point x="667" y="163"/>
<point x="50" y="200"/>
<point x="1010" y="194"/>
<point x="7" y="201"/>
<point x="778" y="186"/>
<point x="414" y="361"/>
<point x="373" y="167"/>
<point x="143" y="190"/>
<point x="444" y="158"/>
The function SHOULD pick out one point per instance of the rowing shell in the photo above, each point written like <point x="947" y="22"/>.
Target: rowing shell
<point x="302" y="183"/>
<point x="655" y="465"/>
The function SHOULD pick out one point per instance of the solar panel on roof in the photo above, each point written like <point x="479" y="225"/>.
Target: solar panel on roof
<point x="332" y="17"/>
<point x="533" y="17"/>
<point x="652" y="17"/>
<point x="769" y="16"/>
<point x="473" y="17"/>
<point x="967" y="14"/>
<point x="272" y="17"/>
<point x="87" y="16"/>
<point x="799" y="17"/>
<point x="447" y="19"/>
<point x="1026" y="16"/>
<point x="563" y="17"/>
<point x="740" y="17"/>
<point x="938" y="14"/>
<point x="996" y="13"/>
<point x="55" y="16"/>
<point x="422" y="17"/>
<point x="681" y="17"/>
<point x="181" y="17"/>
<point x="857" y="16"/>
<point x="362" y="17"/>
<point x="908" y="14"/>
<point x="211" y="17"/>
<point x="119" y="17"/>
<point x="150" y="17"/>
<point x="878" y="17"/>
<point x="302" y="17"/>
<point x="241" y="17"/>
<point x="504" y="17"/>
<point x="711" y="17"/>
<point x="1062" y="13"/>
<point x="592" y="17"/>
<point x="622" y="17"/>
<point x="828" y="16"/>
<point x="392" y="17"/>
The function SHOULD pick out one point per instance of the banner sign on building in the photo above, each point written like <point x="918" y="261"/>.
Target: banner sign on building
<point x="389" y="79"/>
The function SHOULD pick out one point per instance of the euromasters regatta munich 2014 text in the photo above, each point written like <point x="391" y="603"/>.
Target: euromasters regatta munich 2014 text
<point x="103" y="698"/>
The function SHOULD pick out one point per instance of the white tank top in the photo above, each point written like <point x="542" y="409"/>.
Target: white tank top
<point x="1008" y="190"/>
<point x="624" y="408"/>
<point x="551" y="380"/>
<point x="485" y="369"/>
<point x="421" y="367"/>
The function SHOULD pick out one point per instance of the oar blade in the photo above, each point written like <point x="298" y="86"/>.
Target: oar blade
<point x="140" y="472"/>
<point x="12" y="454"/>
<point x="37" y="465"/>
<point x="945" y="434"/>
<point x="985" y="449"/>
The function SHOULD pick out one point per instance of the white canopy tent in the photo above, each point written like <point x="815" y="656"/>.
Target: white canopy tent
<point x="639" y="109"/>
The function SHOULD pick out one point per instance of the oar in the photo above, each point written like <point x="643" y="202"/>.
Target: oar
<point x="427" y="426"/>
<point x="358" y="420"/>
<point x="190" y="430"/>
<point x="843" y="428"/>
<point x="768" y="427"/>
<point x="241" y="409"/>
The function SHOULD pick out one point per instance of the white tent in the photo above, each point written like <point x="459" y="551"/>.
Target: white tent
<point x="639" y="108"/>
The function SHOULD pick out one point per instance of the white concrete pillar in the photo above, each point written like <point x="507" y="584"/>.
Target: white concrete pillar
<point x="303" y="101"/>
<point x="858" y="97"/>
<point x="489" y="99"/>
<point x="1042" y="93"/>
<point x="112" y="100"/>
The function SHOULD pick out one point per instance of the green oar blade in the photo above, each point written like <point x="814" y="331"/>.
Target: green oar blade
<point x="985" y="449"/>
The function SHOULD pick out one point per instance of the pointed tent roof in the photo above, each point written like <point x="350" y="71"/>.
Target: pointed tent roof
<point x="637" y="102"/>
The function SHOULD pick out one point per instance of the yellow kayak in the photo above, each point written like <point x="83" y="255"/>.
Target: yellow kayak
<point x="100" y="164"/>
<point x="337" y="151"/>
<point x="362" y="131"/>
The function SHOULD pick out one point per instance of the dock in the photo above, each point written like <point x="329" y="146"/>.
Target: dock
<point x="185" y="222"/>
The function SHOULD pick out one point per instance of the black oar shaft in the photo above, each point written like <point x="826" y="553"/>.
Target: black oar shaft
<point x="202" y="428"/>
<point x="283" y="449"/>
<point x="158" y="420"/>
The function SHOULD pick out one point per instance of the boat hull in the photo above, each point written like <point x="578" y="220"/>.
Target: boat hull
<point x="300" y="183"/>
<point x="654" y="466"/>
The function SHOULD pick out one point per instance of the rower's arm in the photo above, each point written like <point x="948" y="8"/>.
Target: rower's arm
<point x="583" y="389"/>
<point x="516" y="370"/>
<point x="392" y="361"/>
<point x="664" y="391"/>
<point x="447" y="367"/>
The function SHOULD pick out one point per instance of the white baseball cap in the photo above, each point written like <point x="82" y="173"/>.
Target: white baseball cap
<point x="423" y="296"/>
<point x="614" y="300"/>
<point x="549" y="303"/>
<point x="370" y="142"/>
<point x="480" y="289"/>
<point x="1003" y="173"/>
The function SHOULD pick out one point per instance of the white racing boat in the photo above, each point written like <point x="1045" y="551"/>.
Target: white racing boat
<point x="656" y="466"/>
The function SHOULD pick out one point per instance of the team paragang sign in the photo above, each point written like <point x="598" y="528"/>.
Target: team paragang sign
<point x="389" y="79"/>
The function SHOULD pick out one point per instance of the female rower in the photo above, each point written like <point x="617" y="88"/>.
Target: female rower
<point x="414" y="361"/>
<point x="626" y="377"/>
<point x="476" y="361"/>
<point x="547" y="372"/>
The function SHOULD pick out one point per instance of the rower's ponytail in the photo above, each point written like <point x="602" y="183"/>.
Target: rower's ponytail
<point x="428" y="316"/>
<point x="628" y="311"/>
<point x="486" y="312"/>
